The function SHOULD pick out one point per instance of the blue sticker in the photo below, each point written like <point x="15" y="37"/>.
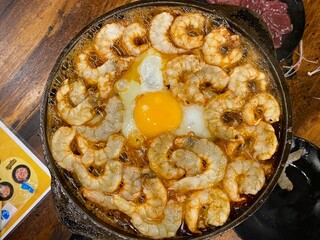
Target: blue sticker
<point x="5" y="214"/>
<point x="28" y="187"/>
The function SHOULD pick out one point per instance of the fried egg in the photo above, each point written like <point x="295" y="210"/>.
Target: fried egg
<point x="193" y="121"/>
<point x="149" y="108"/>
<point x="144" y="76"/>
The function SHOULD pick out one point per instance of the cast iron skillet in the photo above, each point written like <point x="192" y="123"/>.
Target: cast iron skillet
<point x="73" y="214"/>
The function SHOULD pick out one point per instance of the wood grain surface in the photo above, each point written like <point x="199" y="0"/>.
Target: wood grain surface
<point x="33" y="34"/>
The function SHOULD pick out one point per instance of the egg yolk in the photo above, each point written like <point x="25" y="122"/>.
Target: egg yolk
<point x="156" y="113"/>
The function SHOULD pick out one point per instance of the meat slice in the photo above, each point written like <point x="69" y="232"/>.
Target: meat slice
<point x="279" y="21"/>
<point x="276" y="36"/>
<point x="229" y="2"/>
<point x="278" y="24"/>
<point x="254" y="5"/>
<point x="274" y="6"/>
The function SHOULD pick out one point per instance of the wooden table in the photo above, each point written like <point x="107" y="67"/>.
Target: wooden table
<point x="32" y="35"/>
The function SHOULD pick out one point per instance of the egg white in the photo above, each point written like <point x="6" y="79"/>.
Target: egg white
<point x="150" y="74"/>
<point x="193" y="121"/>
<point x="151" y="80"/>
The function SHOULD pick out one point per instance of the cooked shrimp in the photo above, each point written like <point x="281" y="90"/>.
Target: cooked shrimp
<point x="181" y="162"/>
<point x="78" y="92"/>
<point x="134" y="39"/>
<point x="99" y="198"/>
<point x="221" y="48"/>
<point x="131" y="183"/>
<point x="166" y="228"/>
<point x="104" y="86"/>
<point x="98" y="157"/>
<point x="188" y="161"/>
<point x="109" y="125"/>
<point x="215" y="164"/>
<point x="215" y="112"/>
<point x="97" y="119"/>
<point x="130" y="189"/>
<point x="152" y="209"/>
<point x="77" y="115"/>
<point x="90" y="73"/>
<point x="265" y="141"/>
<point x="123" y="64"/>
<point x="205" y="83"/>
<point x="158" y="34"/>
<point x="216" y="203"/>
<point x="107" y="182"/>
<point x="243" y="177"/>
<point x="106" y="37"/>
<point x="246" y="78"/>
<point x="61" y="149"/>
<point x="184" y="30"/>
<point x="261" y="104"/>
<point x="257" y="142"/>
<point x="175" y="71"/>
<point x="158" y="157"/>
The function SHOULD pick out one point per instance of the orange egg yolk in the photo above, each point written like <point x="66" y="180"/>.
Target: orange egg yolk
<point x="156" y="113"/>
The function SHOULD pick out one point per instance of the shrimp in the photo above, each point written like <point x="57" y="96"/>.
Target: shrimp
<point x="104" y="44"/>
<point x="78" y="92"/>
<point x="265" y="142"/>
<point x="216" y="213"/>
<point x="151" y="210"/>
<point x="158" y="159"/>
<point x="77" y="115"/>
<point x="123" y="64"/>
<point x="166" y="228"/>
<point x="134" y="39"/>
<point x="216" y="116"/>
<point x="246" y="78"/>
<point x="262" y="102"/>
<point x="221" y="48"/>
<point x="100" y="156"/>
<point x="91" y="73"/>
<point x="106" y="37"/>
<point x="174" y="166"/>
<point x="101" y="75"/>
<point x="188" y="161"/>
<point x="99" y="198"/>
<point x="204" y="83"/>
<point x="110" y="124"/>
<point x="183" y="29"/>
<point x="158" y="34"/>
<point x="175" y="71"/>
<point x="107" y="182"/>
<point x="104" y="86"/>
<point x="243" y="177"/>
<point x="131" y="183"/>
<point x="215" y="164"/>
<point x="258" y="142"/>
<point x="61" y="149"/>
